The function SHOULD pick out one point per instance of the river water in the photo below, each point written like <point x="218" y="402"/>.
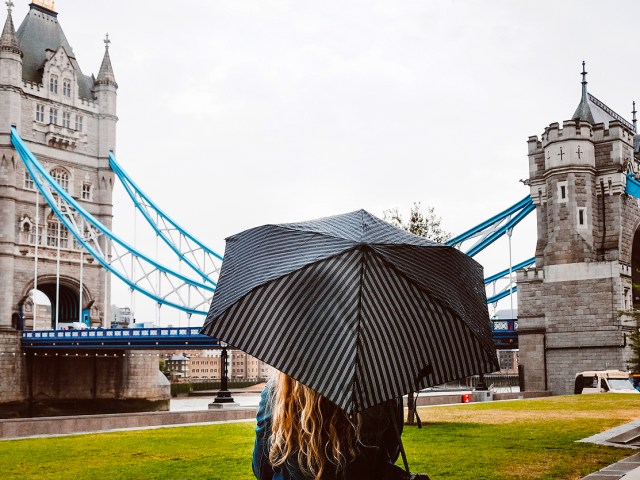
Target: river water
<point x="188" y="404"/>
<point x="251" y="399"/>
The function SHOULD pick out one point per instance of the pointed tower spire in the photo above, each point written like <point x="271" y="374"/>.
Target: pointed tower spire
<point x="583" y="112"/>
<point x="8" y="39"/>
<point x="635" y="120"/>
<point x="105" y="75"/>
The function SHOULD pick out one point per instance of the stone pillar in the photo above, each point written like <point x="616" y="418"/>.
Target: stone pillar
<point x="13" y="385"/>
<point x="84" y="383"/>
<point x="7" y="237"/>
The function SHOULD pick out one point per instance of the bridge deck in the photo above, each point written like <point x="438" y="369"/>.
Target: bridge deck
<point x="118" y="338"/>
<point x="505" y="334"/>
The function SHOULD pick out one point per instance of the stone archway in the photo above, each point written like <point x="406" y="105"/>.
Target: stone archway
<point x="67" y="309"/>
<point x="69" y="305"/>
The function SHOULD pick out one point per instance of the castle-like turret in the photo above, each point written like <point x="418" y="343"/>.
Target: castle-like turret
<point x="569" y="303"/>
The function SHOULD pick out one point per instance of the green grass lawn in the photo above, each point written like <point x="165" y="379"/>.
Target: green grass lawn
<point x="497" y="440"/>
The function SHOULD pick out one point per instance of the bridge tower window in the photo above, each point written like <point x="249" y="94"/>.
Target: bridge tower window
<point x="28" y="181"/>
<point x="86" y="191"/>
<point x="53" y="116"/>
<point x="32" y="235"/>
<point x="582" y="217"/>
<point x="55" y="228"/>
<point x="563" y="193"/>
<point x="79" y="123"/>
<point x="53" y="84"/>
<point x="39" y="113"/>
<point x="61" y="177"/>
<point x="66" y="87"/>
<point x="66" y="119"/>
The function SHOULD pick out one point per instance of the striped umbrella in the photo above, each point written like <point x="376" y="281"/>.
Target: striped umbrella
<point x="353" y="307"/>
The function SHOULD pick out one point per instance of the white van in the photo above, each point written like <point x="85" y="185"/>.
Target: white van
<point x="72" y="326"/>
<point x="604" y="381"/>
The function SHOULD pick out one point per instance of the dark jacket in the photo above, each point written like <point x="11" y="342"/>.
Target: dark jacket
<point x="379" y="448"/>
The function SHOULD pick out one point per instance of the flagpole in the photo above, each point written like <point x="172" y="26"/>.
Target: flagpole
<point x="35" y="268"/>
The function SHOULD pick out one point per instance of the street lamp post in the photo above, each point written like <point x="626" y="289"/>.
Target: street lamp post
<point x="223" y="397"/>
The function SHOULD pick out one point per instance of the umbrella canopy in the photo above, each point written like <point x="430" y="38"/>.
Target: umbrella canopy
<point x="353" y="307"/>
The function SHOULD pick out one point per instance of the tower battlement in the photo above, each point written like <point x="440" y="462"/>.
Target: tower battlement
<point x="616" y="131"/>
<point x="571" y="130"/>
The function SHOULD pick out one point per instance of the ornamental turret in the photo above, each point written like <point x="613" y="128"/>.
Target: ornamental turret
<point x="105" y="90"/>
<point x="10" y="71"/>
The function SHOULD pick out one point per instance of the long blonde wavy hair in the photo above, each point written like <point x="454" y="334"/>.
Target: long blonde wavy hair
<point x="307" y="425"/>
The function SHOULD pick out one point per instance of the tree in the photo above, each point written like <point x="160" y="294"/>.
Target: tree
<point x="632" y="316"/>
<point x="426" y="225"/>
<point x="634" y="342"/>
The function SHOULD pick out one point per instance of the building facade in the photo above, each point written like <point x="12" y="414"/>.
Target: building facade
<point x="587" y="248"/>
<point x="206" y="365"/>
<point x="68" y="120"/>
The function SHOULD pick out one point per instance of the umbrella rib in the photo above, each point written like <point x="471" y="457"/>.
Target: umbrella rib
<point x="356" y="370"/>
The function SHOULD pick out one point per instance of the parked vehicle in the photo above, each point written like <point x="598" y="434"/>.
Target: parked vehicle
<point x="604" y="381"/>
<point x="142" y="325"/>
<point x="72" y="326"/>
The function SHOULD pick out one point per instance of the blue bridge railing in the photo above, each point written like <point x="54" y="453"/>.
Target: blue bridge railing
<point x="505" y="333"/>
<point x="118" y="338"/>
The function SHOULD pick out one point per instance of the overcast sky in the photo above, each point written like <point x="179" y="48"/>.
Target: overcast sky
<point x="239" y="113"/>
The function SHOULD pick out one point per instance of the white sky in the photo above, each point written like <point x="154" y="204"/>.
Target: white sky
<point x="239" y="113"/>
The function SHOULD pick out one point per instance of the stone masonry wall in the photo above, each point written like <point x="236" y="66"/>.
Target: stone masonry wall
<point x="110" y="381"/>
<point x="563" y="364"/>
<point x="531" y="328"/>
<point x="13" y="386"/>
<point x="582" y="306"/>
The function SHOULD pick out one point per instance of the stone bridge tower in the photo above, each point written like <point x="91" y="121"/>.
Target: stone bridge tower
<point x="569" y="303"/>
<point x="68" y="119"/>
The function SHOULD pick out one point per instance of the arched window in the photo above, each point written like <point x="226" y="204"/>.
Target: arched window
<point x="66" y="87"/>
<point x="62" y="177"/>
<point x="53" y="84"/>
<point x="87" y="191"/>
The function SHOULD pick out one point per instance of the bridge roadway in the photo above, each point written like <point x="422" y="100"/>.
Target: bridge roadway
<point x="505" y="335"/>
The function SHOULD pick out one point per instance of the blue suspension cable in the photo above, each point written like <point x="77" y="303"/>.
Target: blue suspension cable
<point x="135" y="193"/>
<point x="35" y="168"/>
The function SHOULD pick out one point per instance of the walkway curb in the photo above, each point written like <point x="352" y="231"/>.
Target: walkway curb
<point x="17" y="428"/>
<point x="626" y="469"/>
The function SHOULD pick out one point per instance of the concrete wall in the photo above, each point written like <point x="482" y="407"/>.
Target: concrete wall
<point x="29" y="427"/>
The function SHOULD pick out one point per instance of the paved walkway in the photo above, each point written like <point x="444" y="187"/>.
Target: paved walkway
<point x="626" y="469"/>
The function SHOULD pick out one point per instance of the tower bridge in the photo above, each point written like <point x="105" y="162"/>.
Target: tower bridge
<point x="58" y="169"/>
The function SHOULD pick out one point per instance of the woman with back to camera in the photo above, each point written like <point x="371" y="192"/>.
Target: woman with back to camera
<point x="302" y="436"/>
